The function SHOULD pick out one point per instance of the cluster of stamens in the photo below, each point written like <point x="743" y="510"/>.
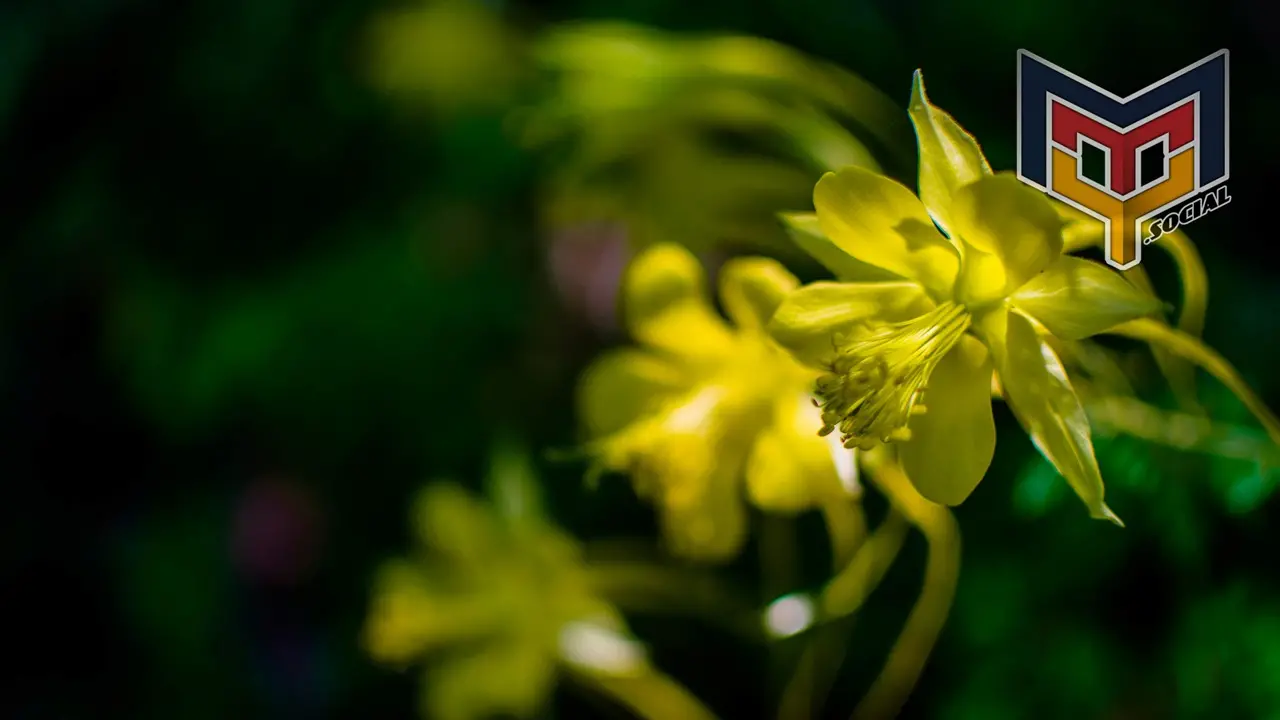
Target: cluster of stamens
<point x="878" y="377"/>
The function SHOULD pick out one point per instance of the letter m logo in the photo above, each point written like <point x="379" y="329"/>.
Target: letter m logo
<point x="1160" y="147"/>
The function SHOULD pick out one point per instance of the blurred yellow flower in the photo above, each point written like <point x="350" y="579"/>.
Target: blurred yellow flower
<point x="702" y="406"/>
<point x="499" y="601"/>
<point x="978" y="283"/>
<point x="693" y="140"/>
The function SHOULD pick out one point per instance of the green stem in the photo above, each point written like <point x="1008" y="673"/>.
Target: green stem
<point x="915" y="643"/>
<point x="911" y="651"/>
<point x="822" y="656"/>
<point x="1195" y="300"/>
<point x="1115" y="414"/>
<point x="1191" y="348"/>
<point x="647" y="587"/>
<point x="850" y="588"/>
<point x="846" y="529"/>
<point x="816" y="671"/>
<point x="1098" y="364"/>
<point x="651" y="696"/>
<point x="1195" y="281"/>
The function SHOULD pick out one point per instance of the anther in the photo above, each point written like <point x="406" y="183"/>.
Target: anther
<point x="877" y="380"/>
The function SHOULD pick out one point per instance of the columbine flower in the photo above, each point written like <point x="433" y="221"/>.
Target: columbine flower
<point x="637" y="119"/>
<point x="977" y="282"/>
<point x="702" y="407"/>
<point x="500" y="601"/>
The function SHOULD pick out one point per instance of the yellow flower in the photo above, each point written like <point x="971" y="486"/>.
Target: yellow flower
<point x="499" y="600"/>
<point x="702" y="406"/>
<point x="978" y="282"/>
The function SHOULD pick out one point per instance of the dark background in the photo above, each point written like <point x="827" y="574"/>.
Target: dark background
<point x="248" y="304"/>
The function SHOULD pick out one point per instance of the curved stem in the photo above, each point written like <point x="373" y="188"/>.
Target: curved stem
<point x="647" y="587"/>
<point x="851" y="586"/>
<point x="822" y="657"/>
<point x="816" y="671"/>
<point x="1195" y="281"/>
<point x="911" y="651"/>
<point x="1098" y="363"/>
<point x="1188" y="347"/>
<point x="651" y="696"/>
<point x="1195" y="300"/>
<point x="1184" y="431"/>
<point x="846" y="529"/>
<point x="1139" y="277"/>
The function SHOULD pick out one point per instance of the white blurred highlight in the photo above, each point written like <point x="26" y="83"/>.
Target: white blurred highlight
<point x="846" y="465"/>
<point x="843" y="458"/>
<point x="600" y="648"/>
<point x="789" y="615"/>
<point x="693" y="415"/>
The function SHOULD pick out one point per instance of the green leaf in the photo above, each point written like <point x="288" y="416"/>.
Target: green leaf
<point x="1041" y="396"/>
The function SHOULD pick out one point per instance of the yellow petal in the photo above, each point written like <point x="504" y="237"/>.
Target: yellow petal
<point x="983" y="279"/>
<point x="886" y="474"/>
<point x="1040" y="394"/>
<point x="991" y="326"/>
<point x="1077" y="298"/>
<point x="667" y="307"/>
<point x="625" y="385"/>
<point x="451" y="521"/>
<point x="713" y="527"/>
<point x="952" y="443"/>
<point x="1080" y="230"/>
<point x="1081" y="236"/>
<point x="752" y="288"/>
<point x="408" y="617"/>
<point x="880" y="222"/>
<point x="675" y="455"/>
<point x="514" y="678"/>
<point x="1011" y="223"/>
<point x="950" y="157"/>
<point x="807" y="319"/>
<point x="806" y="232"/>
<point x="791" y="469"/>
<point x="512" y="487"/>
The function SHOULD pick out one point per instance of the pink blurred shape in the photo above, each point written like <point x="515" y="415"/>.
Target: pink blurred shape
<point x="586" y="263"/>
<point x="276" y="532"/>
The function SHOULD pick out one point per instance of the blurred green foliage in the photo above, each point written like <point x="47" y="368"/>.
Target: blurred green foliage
<point x="227" y="257"/>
